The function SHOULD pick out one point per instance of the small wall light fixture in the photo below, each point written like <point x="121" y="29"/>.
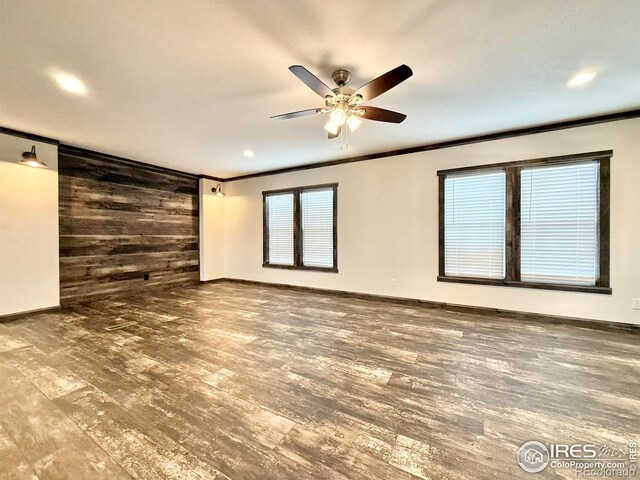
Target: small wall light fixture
<point x="218" y="191"/>
<point x="30" y="159"/>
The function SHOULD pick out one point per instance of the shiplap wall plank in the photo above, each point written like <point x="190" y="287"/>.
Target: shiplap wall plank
<point x="120" y="220"/>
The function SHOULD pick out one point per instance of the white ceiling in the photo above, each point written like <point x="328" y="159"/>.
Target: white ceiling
<point x="192" y="84"/>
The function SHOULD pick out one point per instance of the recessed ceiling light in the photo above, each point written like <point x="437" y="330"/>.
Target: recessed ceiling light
<point x="581" y="78"/>
<point x="70" y="83"/>
<point x="248" y="153"/>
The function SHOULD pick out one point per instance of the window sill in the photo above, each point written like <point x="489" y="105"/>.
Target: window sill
<point x="540" y="286"/>
<point x="301" y="267"/>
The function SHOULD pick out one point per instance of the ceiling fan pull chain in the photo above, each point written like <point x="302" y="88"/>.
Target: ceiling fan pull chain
<point x="343" y="139"/>
<point x="346" y="137"/>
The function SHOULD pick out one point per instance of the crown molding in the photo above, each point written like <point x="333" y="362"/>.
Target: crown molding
<point x="30" y="136"/>
<point x="518" y="132"/>
<point x="503" y="134"/>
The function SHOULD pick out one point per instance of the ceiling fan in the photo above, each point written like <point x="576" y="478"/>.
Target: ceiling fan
<point x="343" y="104"/>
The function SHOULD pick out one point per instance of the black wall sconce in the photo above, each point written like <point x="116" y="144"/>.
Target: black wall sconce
<point x="218" y="191"/>
<point x="30" y="159"/>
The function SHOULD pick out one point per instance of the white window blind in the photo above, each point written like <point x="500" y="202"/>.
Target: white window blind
<point x="559" y="224"/>
<point x="280" y="228"/>
<point x="317" y="227"/>
<point x="474" y="219"/>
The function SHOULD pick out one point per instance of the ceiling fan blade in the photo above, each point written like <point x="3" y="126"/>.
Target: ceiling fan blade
<point x="382" y="115"/>
<point x="337" y="134"/>
<point x="383" y="83"/>
<point x="301" y="113"/>
<point x="311" y="81"/>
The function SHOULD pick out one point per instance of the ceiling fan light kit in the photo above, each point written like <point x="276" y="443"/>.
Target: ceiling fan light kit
<point x="343" y="104"/>
<point x="353" y="122"/>
<point x="332" y="128"/>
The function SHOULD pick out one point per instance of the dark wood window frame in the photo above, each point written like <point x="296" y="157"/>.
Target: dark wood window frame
<point x="297" y="228"/>
<point x="512" y="217"/>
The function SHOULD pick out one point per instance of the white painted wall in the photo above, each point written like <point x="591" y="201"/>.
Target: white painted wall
<point x="211" y="232"/>
<point x="388" y="225"/>
<point x="29" y="254"/>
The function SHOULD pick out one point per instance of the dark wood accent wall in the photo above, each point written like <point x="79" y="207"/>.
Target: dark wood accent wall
<point x="120" y="220"/>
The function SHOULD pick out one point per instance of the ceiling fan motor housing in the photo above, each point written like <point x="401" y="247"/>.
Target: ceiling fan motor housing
<point x="341" y="77"/>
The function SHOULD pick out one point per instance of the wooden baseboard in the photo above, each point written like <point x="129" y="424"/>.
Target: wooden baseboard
<point x="215" y="280"/>
<point x="467" y="309"/>
<point x="17" y="316"/>
<point x="452" y="307"/>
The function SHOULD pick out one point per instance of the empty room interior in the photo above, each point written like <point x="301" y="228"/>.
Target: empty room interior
<point x="294" y="239"/>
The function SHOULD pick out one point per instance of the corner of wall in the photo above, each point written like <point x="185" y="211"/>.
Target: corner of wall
<point x="211" y="211"/>
<point x="29" y="236"/>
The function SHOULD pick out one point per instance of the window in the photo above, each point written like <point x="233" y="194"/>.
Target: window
<point x="317" y="227"/>
<point x="300" y="228"/>
<point x="540" y="223"/>
<point x="280" y="216"/>
<point x="559" y="224"/>
<point x="474" y="225"/>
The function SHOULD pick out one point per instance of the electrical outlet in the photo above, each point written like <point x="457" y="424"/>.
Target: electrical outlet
<point x="393" y="282"/>
<point x="635" y="304"/>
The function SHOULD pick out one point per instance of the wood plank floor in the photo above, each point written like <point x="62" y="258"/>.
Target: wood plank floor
<point x="246" y="382"/>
